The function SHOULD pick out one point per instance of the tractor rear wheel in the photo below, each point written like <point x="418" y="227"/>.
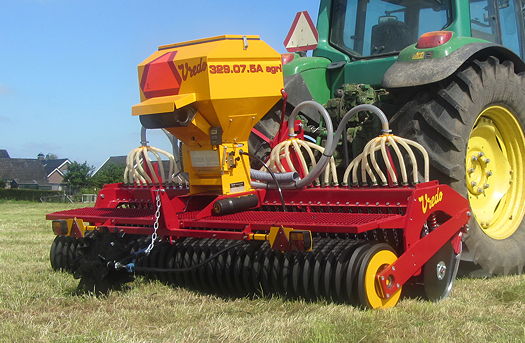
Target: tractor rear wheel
<point x="472" y="125"/>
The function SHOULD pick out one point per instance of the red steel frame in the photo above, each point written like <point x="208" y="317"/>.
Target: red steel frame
<point x="130" y="209"/>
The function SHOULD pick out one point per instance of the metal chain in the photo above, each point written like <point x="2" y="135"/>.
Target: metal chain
<point x="154" y="235"/>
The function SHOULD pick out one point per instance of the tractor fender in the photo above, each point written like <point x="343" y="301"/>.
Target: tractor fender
<point x="421" y="72"/>
<point x="298" y="92"/>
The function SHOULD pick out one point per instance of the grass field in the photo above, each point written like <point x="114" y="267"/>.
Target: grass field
<point x="39" y="305"/>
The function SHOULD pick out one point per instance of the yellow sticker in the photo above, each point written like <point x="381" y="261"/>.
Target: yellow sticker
<point x="418" y="55"/>
<point x="427" y="202"/>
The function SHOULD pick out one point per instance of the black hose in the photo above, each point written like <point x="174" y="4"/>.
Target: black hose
<point x="187" y="269"/>
<point x="271" y="173"/>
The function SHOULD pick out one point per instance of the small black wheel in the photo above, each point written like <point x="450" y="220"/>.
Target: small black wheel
<point x="439" y="273"/>
<point x="53" y="254"/>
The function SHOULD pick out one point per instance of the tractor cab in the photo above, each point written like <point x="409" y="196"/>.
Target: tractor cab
<point x="365" y="29"/>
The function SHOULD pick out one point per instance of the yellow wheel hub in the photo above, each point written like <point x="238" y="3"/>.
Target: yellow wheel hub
<point x="495" y="172"/>
<point x="378" y="262"/>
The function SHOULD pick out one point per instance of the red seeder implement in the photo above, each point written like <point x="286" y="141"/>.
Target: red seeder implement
<point x="353" y="230"/>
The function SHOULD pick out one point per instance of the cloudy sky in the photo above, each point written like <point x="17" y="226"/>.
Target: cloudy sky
<point x="68" y="67"/>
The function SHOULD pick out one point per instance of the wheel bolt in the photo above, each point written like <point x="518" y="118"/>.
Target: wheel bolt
<point x="489" y="173"/>
<point x="473" y="183"/>
<point x="486" y="186"/>
<point x="471" y="170"/>
<point x="474" y="158"/>
<point x="480" y="190"/>
<point x="487" y="160"/>
<point x="481" y="154"/>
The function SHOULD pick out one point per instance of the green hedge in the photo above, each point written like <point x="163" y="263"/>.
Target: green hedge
<point x="26" y="194"/>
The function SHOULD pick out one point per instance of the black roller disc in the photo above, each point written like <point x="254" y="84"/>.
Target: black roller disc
<point x="153" y="262"/>
<point x="179" y="262"/>
<point x="66" y="252"/>
<point x="341" y="268"/>
<point x="308" y="268"/>
<point x="60" y="257"/>
<point x="220" y="271"/>
<point x="53" y="254"/>
<point x="256" y="270"/>
<point x="276" y="268"/>
<point x="203" y="276"/>
<point x="210" y="267"/>
<point x="352" y="272"/>
<point x="307" y="275"/>
<point x="71" y="253"/>
<point x="247" y="270"/>
<point x="319" y="266"/>
<point x="229" y="256"/>
<point x="186" y="263"/>
<point x="286" y="274"/>
<point x="238" y="276"/>
<point x="439" y="273"/>
<point x="296" y="279"/>
<point x="194" y="260"/>
<point x="75" y="246"/>
<point x="329" y="270"/>
<point x="170" y="264"/>
<point x="266" y="271"/>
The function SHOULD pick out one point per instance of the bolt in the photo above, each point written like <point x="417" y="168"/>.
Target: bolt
<point x="487" y="160"/>
<point x="480" y="190"/>
<point x="474" y="158"/>
<point x="388" y="296"/>
<point x="393" y="268"/>
<point x="510" y="218"/>
<point x="471" y="170"/>
<point x="480" y="154"/>
<point x="473" y="183"/>
<point x="489" y="173"/>
<point x="469" y="214"/>
<point x="398" y="285"/>
<point x="382" y="278"/>
<point x="486" y="186"/>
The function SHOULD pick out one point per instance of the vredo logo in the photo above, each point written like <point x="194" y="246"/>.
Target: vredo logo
<point x="191" y="70"/>
<point x="427" y="202"/>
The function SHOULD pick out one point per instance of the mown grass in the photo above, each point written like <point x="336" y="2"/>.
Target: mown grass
<point x="39" y="305"/>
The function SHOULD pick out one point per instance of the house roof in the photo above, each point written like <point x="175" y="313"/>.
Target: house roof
<point x="4" y="153"/>
<point x="121" y="161"/>
<point x="23" y="171"/>
<point x="115" y="160"/>
<point x="51" y="165"/>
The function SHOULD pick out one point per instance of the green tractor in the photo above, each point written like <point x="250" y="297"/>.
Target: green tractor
<point x="449" y="74"/>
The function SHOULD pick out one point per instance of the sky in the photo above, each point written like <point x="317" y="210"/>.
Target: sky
<point x="68" y="68"/>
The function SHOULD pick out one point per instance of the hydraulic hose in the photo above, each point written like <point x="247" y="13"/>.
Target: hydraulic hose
<point x="330" y="146"/>
<point x="267" y="177"/>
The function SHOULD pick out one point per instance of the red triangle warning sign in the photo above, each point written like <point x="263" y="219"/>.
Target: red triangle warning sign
<point x="303" y="35"/>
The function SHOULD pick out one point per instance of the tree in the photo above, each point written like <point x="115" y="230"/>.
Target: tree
<point x="78" y="175"/>
<point x="110" y="173"/>
<point x="51" y="156"/>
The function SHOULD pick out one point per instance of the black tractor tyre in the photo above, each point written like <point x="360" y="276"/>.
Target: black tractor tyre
<point x="442" y="116"/>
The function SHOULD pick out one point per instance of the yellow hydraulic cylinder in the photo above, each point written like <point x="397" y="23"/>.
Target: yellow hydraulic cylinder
<point x="210" y="93"/>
